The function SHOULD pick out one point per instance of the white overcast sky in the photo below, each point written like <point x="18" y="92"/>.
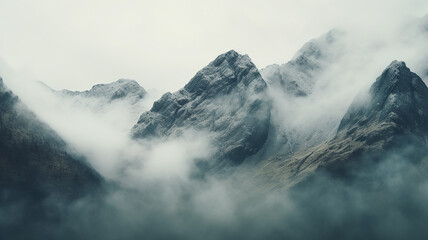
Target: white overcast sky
<point x="162" y="44"/>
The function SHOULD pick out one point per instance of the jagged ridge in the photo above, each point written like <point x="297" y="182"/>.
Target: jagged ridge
<point x="392" y="118"/>
<point x="399" y="97"/>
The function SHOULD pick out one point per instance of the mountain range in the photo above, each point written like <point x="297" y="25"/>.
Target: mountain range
<point x="239" y="109"/>
<point x="230" y="101"/>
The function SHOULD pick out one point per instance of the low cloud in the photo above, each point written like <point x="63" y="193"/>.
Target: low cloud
<point x="153" y="190"/>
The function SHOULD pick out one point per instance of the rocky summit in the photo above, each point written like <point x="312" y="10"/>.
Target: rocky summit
<point x="227" y="98"/>
<point x="398" y="102"/>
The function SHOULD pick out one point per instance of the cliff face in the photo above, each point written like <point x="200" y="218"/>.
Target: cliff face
<point x="398" y="98"/>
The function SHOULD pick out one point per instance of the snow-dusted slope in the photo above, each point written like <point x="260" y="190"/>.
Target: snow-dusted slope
<point x="122" y="89"/>
<point x="227" y="99"/>
<point x="118" y="104"/>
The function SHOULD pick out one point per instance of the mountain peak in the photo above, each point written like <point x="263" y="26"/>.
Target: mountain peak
<point x="398" y="98"/>
<point x="396" y="68"/>
<point x="226" y="71"/>
<point x="231" y="57"/>
<point x="125" y="81"/>
<point x="396" y="65"/>
<point x="230" y="53"/>
<point x="298" y="76"/>
<point x="120" y="89"/>
<point x="396" y="78"/>
<point x="226" y="98"/>
<point x="121" y="83"/>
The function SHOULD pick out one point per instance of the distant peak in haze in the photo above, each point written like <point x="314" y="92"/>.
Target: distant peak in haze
<point x="120" y="82"/>
<point x="120" y="89"/>
<point x="297" y="77"/>
<point x="318" y="47"/>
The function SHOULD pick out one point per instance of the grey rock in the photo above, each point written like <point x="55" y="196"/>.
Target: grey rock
<point x="227" y="98"/>
<point x="398" y="98"/>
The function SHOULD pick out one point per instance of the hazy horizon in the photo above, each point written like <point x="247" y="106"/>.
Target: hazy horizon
<point x="70" y="45"/>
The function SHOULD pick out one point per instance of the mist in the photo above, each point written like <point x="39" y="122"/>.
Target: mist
<point x="155" y="188"/>
<point x="349" y="67"/>
<point x="77" y="45"/>
<point x="386" y="200"/>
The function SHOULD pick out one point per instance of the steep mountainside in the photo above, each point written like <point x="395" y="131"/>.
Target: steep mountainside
<point x="33" y="158"/>
<point x="293" y="88"/>
<point x="297" y="77"/>
<point x="393" y="118"/>
<point x="227" y="98"/>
